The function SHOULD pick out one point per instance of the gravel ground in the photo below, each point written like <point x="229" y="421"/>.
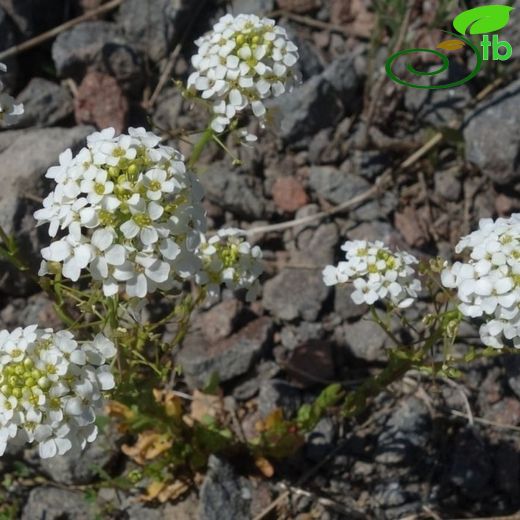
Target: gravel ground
<point x="425" y="448"/>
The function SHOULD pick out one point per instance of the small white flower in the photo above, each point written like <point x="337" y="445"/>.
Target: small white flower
<point x="488" y="281"/>
<point x="50" y="387"/>
<point x="376" y="273"/>
<point x="240" y="62"/>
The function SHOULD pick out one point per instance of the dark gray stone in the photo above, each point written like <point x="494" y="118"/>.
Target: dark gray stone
<point x="52" y="503"/>
<point x="8" y="39"/>
<point x="45" y="103"/>
<point x="228" y="358"/>
<point x="32" y="17"/>
<point x="320" y="441"/>
<point x="471" y="468"/>
<point x="294" y="293"/>
<point x="320" y="102"/>
<point x="335" y="185"/>
<point x="224" y="494"/>
<point x="234" y="190"/>
<point x="25" y="156"/>
<point x="277" y="393"/>
<point x="152" y="25"/>
<point x="496" y="152"/>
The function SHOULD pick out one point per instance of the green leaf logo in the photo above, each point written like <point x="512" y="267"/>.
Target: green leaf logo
<point x="482" y="20"/>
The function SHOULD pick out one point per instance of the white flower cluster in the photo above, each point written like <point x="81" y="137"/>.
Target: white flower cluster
<point x="9" y="110"/>
<point x="376" y="273"/>
<point x="242" y="61"/>
<point x="131" y="211"/>
<point x="488" y="283"/>
<point x="50" y="388"/>
<point x="228" y="259"/>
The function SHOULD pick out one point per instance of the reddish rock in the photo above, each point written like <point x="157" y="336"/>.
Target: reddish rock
<point x="506" y="412"/>
<point x="299" y="6"/>
<point x="409" y="224"/>
<point x="100" y="101"/>
<point x="288" y="194"/>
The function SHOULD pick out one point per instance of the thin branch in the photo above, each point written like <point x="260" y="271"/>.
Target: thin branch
<point x="48" y="35"/>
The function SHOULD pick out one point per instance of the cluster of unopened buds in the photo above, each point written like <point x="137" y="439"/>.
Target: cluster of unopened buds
<point x="50" y="388"/>
<point x="9" y="110"/>
<point x="241" y="62"/>
<point x="488" y="281"/>
<point x="376" y="273"/>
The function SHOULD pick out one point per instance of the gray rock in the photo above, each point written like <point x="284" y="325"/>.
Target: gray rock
<point x="317" y="247"/>
<point x="343" y="304"/>
<point x="310" y="63"/>
<point x="45" y="103"/>
<point x="277" y="393"/>
<point x="438" y="107"/>
<point x="224" y="494"/>
<point x="294" y="293"/>
<point x="140" y="512"/>
<point x="364" y="339"/>
<point x="25" y="156"/>
<point x="258" y="7"/>
<point x="335" y="185"/>
<point x="99" y="46"/>
<point x="405" y="435"/>
<point x="496" y="152"/>
<point x="228" y="358"/>
<point x="234" y="191"/>
<point x="32" y="17"/>
<point x="52" y="503"/>
<point x="152" y="25"/>
<point x="448" y="185"/>
<point x="320" y="102"/>
<point x="74" y="50"/>
<point x="372" y="231"/>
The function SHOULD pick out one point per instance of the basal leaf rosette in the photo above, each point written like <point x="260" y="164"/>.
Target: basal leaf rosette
<point x="241" y="62"/>
<point x="377" y="273"/>
<point x="127" y="212"/>
<point x="50" y="388"/>
<point x="487" y="281"/>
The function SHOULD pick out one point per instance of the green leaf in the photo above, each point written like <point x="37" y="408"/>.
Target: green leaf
<point x="482" y="20"/>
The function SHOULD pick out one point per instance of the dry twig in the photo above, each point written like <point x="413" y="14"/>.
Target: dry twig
<point x="33" y="42"/>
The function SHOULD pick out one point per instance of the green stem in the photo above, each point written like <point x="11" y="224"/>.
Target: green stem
<point x="204" y="139"/>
